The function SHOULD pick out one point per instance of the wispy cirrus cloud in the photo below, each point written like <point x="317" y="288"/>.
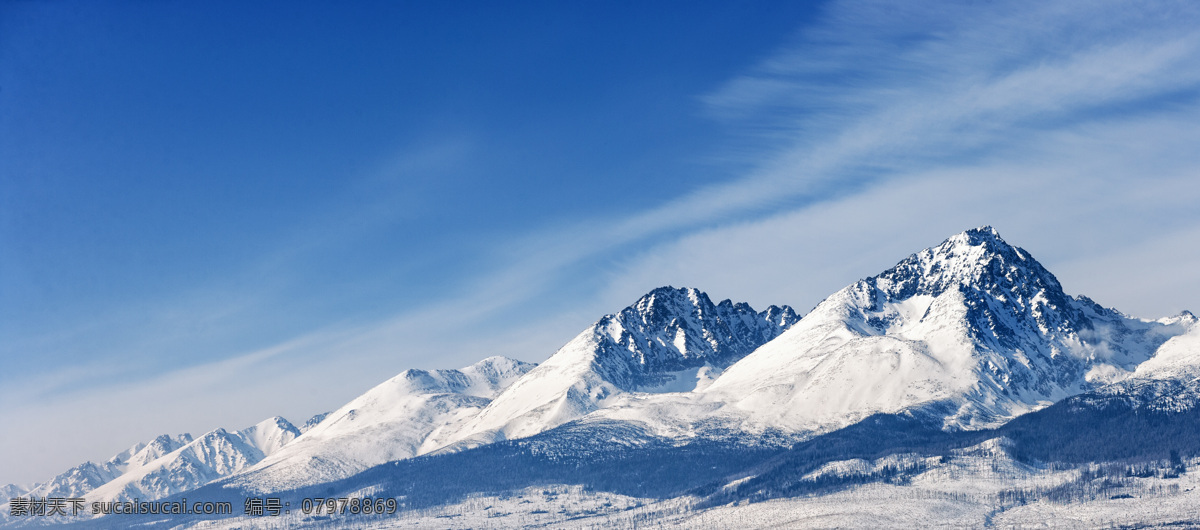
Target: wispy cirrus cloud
<point x="1066" y="125"/>
<point x="877" y="131"/>
<point x="1096" y="99"/>
<point x="877" y="92"/>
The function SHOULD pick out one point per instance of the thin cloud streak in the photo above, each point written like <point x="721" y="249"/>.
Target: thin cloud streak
<point x="941" y="99"/>
<point x="966" y="85"/>
<point x="890" y="127"/>
<point x="919" y="117"/>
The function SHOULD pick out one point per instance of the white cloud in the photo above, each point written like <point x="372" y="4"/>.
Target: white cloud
<point x="1067" y="126"/>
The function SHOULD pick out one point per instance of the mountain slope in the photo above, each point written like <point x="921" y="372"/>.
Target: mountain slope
<point x="669" y="340"/>
<point x="973" y="326"/>
<point x="392" y="421"/>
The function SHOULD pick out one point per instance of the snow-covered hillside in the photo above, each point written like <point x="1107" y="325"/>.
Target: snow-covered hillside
<point x="214" y="455"/>
<point x="394" y="420"/>
<point x="669" y="340"/>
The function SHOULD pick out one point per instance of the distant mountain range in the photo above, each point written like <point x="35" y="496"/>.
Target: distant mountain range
<point x="963" y="358"/>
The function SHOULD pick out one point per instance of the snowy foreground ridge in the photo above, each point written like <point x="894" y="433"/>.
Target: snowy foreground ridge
<point x="961" y="388"/>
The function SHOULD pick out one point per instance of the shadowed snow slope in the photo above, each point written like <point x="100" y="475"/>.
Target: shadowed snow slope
<point x="973" y="326"/>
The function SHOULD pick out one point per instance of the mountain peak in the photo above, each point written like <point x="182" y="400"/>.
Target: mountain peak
<point x="985" y="232"/>
<point x="661" y="343"/>
<point x="1003" y="288"/>
<point x="977" y="259"/>
<point x="977" y="244"/>
<point x="673" y="328"/>
<point x="668" y="299"/>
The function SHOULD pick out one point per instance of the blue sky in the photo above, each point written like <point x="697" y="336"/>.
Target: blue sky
<point x="211" y="213"/>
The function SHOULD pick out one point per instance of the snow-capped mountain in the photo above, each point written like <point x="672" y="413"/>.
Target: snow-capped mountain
<point x="677" y="395"/>
<point x="670" y="340"/>
<point x="9" y="491"/>
<point x="88" y="476"/>
<point x="974" y="326"/>
<point x="397" y="419"/>
<point x="168" y="464"/>
<point x="170" y="469"/>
